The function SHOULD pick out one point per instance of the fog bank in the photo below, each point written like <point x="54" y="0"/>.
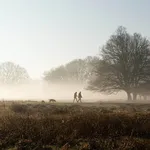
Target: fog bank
<point x="40" y="90"/>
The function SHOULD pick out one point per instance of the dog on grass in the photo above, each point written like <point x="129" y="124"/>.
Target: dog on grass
<point x="52" y="100"/>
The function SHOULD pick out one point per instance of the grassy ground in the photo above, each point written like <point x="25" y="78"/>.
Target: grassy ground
<point x="64" y="126"/>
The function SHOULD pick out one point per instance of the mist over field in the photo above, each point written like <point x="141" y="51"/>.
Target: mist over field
<point x="40" y="90"/>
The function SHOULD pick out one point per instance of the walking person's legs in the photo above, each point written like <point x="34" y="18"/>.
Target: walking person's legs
<point x="76" y="100"/>
<point x="79" y="100"/>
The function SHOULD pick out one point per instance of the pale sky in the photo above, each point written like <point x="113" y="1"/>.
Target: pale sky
<point x="42" y="34"/>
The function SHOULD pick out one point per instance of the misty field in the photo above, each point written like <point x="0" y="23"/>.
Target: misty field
<point x="64" y="126"/>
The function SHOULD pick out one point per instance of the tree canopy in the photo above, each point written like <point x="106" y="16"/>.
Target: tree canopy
<point x="77" y="70"/>
<point x="11" y="73"/>
<point x="124" y="64"/>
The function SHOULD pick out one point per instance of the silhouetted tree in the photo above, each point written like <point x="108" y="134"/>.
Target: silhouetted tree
<point x="124" y="64"/>
<point x="11" y="73"/>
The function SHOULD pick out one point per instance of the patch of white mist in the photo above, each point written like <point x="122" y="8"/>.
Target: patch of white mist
<point x="40" y="90"/>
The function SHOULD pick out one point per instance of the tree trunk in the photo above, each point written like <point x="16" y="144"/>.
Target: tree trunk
<point x="129" y="96"/>
<point x="134" y="96"/>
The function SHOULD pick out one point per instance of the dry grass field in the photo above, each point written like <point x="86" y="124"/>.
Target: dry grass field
<point x="27" y="125"/>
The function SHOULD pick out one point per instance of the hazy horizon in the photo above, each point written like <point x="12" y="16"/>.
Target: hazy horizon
<point x="40" y="35"/>
<point x="61" y="92"/>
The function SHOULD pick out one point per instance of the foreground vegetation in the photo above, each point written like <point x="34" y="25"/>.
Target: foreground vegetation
<point x="78" y="127"/>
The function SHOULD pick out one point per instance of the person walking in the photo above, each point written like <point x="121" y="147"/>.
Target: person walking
<point x="75" y="97"/>
<point x="79" y="97"/>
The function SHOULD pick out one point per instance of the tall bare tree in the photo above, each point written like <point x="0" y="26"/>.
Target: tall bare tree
<point x="11" y="73"/>
<point x="124" y="64"/>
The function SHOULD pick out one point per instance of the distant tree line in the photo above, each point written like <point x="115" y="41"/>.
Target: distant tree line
<point x="78" y="71"/>
<point x="122" y="65"/>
